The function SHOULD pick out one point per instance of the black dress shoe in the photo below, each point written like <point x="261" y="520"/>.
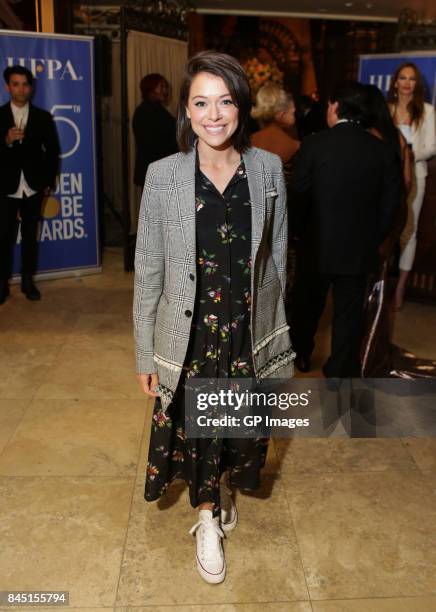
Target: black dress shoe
<point x="303" y="363"/>
<point x="29" y="289"/>
<point x="4" y="291"/>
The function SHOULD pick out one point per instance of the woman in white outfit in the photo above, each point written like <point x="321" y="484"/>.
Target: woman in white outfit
<point x="416" y="120"/>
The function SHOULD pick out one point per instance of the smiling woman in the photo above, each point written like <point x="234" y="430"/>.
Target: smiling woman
<point x="212" y="235"/>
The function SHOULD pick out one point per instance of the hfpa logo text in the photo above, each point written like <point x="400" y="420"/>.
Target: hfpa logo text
<point x="383" y="81"/>
<point x="50" y="68"/>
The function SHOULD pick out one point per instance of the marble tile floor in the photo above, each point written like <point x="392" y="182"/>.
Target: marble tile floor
<point x="339" y="524"/>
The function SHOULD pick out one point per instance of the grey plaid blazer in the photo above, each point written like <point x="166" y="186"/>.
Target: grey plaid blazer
<point x="165" y="268"/>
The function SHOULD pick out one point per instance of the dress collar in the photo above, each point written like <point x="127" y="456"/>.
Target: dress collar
<point x="240" y="172"/>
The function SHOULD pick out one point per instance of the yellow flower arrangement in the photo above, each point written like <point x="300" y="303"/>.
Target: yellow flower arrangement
<point x="258" y="74"/>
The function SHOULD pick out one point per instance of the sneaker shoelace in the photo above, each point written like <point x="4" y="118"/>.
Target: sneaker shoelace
<point x="209" y="542"/>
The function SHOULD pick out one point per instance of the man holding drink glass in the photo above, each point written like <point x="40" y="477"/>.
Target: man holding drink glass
<point x="29" y="159"/>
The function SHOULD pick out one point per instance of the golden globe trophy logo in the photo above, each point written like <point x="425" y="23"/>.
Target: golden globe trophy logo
<point x="62" y="213"/>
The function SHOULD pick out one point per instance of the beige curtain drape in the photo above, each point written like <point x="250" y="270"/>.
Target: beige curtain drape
<point x="148" y="53"/>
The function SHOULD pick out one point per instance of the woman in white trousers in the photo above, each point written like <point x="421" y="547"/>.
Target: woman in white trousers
<point x="416" y="120"/>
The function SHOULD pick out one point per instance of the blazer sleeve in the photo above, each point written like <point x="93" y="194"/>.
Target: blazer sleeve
<point x="426" y="143"/>
<point x="52" y="150"/>
<point x="301" y="174"/>
<point x="6" y="151"/>
<point x="300" y="190"/>
<point x="279" y="245"/>
<point x="149" y="274"/>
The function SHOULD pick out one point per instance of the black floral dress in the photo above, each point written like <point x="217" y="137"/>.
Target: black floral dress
<point x="219" y="347"/>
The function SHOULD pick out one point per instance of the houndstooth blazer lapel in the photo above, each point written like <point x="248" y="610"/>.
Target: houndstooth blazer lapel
<point x="184" y="182"/>
<point x="257" y="186"/>
<point x="184" y="194"/>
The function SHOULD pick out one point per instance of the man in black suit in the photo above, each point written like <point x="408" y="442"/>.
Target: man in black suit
<point x="29" y="159"/>
<point x="346" y="187"/>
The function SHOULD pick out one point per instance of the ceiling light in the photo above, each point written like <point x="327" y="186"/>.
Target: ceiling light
<point x="348" y="4"/>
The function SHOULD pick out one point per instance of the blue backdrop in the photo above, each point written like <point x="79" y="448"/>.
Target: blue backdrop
<point x="64" y="85"/>
<point x="378" y="69"/>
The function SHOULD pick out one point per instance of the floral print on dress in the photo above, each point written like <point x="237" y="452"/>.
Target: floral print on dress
<point x="152" y="471"/>
<point x="199" y="203"/>
<point x="180" y="432"/>
<point x="207" y="263"/>
<point x="177" y="455"/>
<point x="240" y="367"/>
<point x="215" y="294"/>
<point x="160" y="419"/>
<point x="193" y="369"/>
<point x="226" y="233"/>
<point x="212" y="353"/>
<point x="211" y="321"/>
<point x="246" y="265"/>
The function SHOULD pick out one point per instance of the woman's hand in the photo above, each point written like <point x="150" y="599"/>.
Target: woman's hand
<point x="148" y="383"/>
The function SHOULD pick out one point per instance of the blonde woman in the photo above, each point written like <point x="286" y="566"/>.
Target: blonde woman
<point x="416" y="120"/>
<point x="275" y="111"/>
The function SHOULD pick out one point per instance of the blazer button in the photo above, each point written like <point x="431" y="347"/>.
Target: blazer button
<point x="188" y="313"/>
<point x="192" y="277"/>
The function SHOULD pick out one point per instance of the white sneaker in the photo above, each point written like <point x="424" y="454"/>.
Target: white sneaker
<point x="229" y="513"/>
<point x="210" y="555"/>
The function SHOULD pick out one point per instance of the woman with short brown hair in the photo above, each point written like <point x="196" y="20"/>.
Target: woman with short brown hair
<point x="210" y="273"/>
